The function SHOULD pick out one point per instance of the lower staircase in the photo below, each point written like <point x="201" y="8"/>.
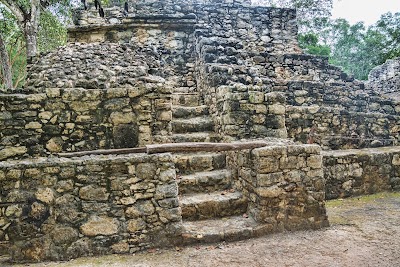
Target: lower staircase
<point x="212" y="210"/>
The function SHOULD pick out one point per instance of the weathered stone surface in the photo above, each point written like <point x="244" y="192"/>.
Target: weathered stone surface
<point x="81" y="212"/>
<point x="99" y="226"/>
<point x="93" y="193"/>
<point x="62" y="235"/>
<point x="45" y="195"/>
<point x="12" y="152"/>
<point x="357" y="172"/>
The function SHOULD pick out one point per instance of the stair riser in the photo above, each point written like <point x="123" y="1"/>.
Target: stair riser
<point x="190" y="127"/>
<point x="186" y="100"/>
<point x="189" y="112"/>
<point x="214" y="209"/>
<point x="227" y="235"/>
<point x="182" y="138"/>
<point x="204" y="184"/>
<point x="188" y="164"/>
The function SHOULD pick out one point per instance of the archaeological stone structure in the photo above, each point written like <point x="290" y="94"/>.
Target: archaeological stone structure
<point x="197" y="73"/>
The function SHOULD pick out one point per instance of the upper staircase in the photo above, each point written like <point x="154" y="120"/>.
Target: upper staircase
<point x="212" y="210"/>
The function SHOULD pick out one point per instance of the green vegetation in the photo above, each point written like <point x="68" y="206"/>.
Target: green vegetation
<point x="361" y="200"/>
<point x="355" y="48"/>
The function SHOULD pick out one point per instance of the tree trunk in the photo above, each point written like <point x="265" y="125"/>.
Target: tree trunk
<point x="5" y="63"/>
<point x="31" y="25"/>
<point x="30" y="32"/>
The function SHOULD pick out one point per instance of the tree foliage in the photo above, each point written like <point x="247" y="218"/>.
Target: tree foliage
<point x="309" y="12"/>
<point x="26" y="35"/>
<point x="356" y="48"/>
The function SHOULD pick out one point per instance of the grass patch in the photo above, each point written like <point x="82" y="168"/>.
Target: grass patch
<point x="361" y="199"/>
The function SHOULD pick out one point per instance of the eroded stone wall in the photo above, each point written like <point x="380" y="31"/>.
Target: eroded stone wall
<point x="285" y="186"/>
<point x="359" y="172"/>
<point x="75" y="119"/>
<point x="385" y="79"/>
<point x="60" y="209"/>
<point x="335" y="128"/>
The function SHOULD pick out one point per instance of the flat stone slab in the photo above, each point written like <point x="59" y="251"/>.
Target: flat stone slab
<point x="222" y="229"/>
<point x="202" y="182"/>
<point x="212" y="205"/>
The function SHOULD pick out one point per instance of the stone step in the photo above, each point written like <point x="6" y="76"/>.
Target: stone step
<point x="195" y="137"/>
<point x="189" y="163"/>
<point x="186" y="99"/>
<point x="204" y="182"/>
<point x="189" y="112"/>
<point x="197" y="124"/>
<point x="222" y="229"/>
<point x="212" y="205"/>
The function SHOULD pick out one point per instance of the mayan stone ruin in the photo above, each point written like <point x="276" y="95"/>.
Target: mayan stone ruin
<point x="176" y="72"/>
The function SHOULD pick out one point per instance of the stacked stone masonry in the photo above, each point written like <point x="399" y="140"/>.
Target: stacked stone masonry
<point x="179" y="71"/>
<point x="385" y="79"/>
<point x="359" y="172"/>
<point x="65" y="208"/>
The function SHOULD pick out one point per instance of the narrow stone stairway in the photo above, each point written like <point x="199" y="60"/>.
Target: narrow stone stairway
<point x="212" y="210"/>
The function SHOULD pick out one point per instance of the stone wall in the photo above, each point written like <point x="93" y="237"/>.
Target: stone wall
<point x="259" y="28"/>
<point x="75" y="119"/>
<point x="60" y="209"/>
<point x="335" y="128"/>
<point x="385" y="79"/>
<point x="359" y="172"/>
<point x="285" y="186"/>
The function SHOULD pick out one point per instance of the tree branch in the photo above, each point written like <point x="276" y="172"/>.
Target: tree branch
<point x="17" y="10"/>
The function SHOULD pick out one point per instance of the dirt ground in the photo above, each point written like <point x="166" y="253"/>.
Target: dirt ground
<point x="364" y="232"/>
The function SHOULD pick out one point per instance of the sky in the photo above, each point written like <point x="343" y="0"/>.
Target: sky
<point x="368" y="11"/>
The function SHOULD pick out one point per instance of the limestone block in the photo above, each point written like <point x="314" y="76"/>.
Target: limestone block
<point x="256" y="97"/>
<point x="63" y="235"/>
<point x="53" y="92"/>
<point x="277" y="109"/>
<point x="13" y="174"/>
<point x="396" y="160"/>
<point x="80" y="106"/>
<point x="116" y="92"/>
<point x="93" y="193"/>
<point x="292" y="162"/>
<point x="33" y="125"/>
<point x="136" y="225"/>
<point x="100" y="226"/>
<point x="55" y="145"/>
<point x="64" y="186"/>
<point x="269" y="151"/>
<point x="271" y="192"/>
<point x="266" y="180"/>
<point x="120" y="248"/>
<point x="314" y="162"/>
<point x="268" y="165"/>
<point x="12" y="152"/>
<point x="146" y="171"/>
<point x="32" y="173"/>
<point x="36" y="98"/>
<point x="140" y="209"/>
<point x="121" y="118"/>
<point x="45" y="195"/>
<point x="167" y="191"/>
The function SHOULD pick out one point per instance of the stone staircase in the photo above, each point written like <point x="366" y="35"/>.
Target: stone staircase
<point x="212" y="210"/>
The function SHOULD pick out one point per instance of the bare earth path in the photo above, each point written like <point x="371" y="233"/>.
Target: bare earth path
<point x="364" y="232"/>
